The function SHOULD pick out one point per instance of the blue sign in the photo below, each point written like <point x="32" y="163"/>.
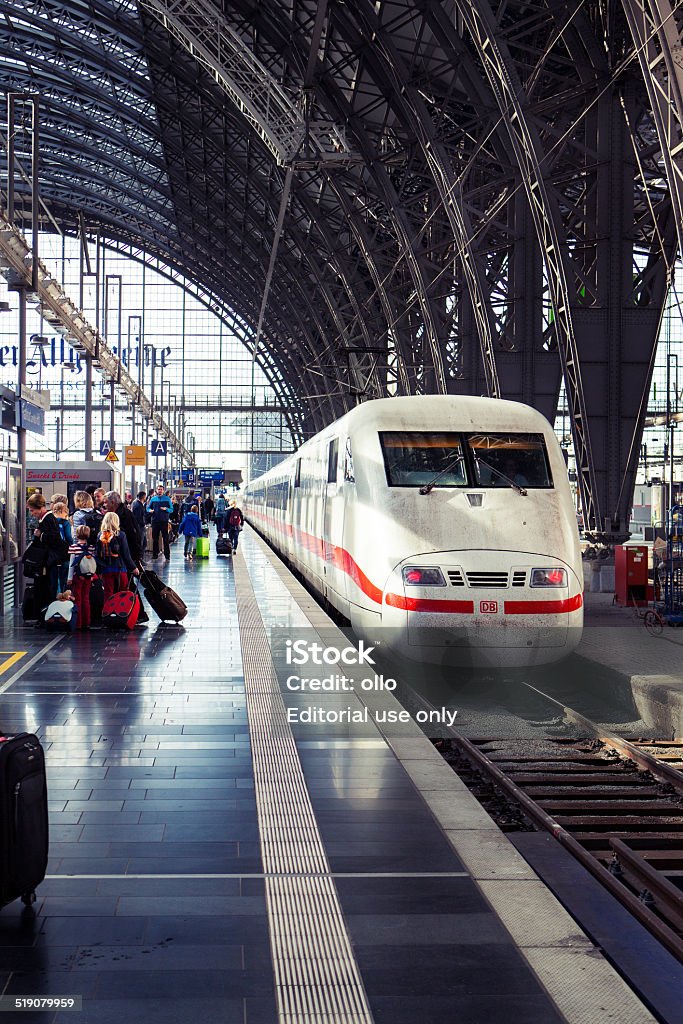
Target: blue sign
<point x="157" y="448"/>
<point x="188" y="476"/>
<point x="105" y="447"/>
<point x="30" y="417"/>
<point x="211" y="476"/>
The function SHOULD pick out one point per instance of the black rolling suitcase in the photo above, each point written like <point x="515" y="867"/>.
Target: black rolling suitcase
<point x="165" y="602"/>
<point x="96" y="602"/>
<point x="23" y="817"/>
<point x="223" y="546"/>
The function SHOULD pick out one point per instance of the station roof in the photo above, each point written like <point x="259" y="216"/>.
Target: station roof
<point x="377" y="246"/>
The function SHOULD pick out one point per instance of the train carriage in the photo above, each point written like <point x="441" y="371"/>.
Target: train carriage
<point x="446" y="523"/>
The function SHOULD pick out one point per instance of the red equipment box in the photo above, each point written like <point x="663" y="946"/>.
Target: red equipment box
<point x="631" y="575"/>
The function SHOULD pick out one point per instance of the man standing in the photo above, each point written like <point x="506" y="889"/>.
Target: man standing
<point x="161" y="507"/>
<point x="138" y="512"/>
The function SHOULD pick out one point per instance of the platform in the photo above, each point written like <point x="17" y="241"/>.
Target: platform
<point x="210" y="860"/>
<point x="647" y="667"/>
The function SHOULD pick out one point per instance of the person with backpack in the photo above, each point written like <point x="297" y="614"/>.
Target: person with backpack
<point x="161" y="507"/>
<point x="82" y="569"/>
<point x="85" y="513"/>
<point x="191" y="528"/>
<point x="235" y="523"/>
<point x="114" y="562"/>
<point x="220" y="513"/>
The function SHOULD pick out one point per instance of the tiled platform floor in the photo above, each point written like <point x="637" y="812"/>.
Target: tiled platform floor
<point x="154" y="909"/>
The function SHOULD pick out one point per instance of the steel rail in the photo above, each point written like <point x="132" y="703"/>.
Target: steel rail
<point x="659" y="928"/>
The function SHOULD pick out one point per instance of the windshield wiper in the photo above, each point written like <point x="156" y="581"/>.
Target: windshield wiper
<point x="427" y="488"/>
<point x="481" y="462"/>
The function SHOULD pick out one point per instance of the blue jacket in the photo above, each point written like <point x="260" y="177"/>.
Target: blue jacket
<point x="191" y="525"/>
<point x="161" y="507"/>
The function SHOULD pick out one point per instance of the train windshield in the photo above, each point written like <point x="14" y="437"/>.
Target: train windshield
<point x="503" y="458"/>
<point x="453" y="459"/>
<point x="414" y="459"/>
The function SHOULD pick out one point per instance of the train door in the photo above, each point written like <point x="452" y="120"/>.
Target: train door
<point x="333" y="523"/>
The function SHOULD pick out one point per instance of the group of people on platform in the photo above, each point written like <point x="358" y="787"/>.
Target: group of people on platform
<point x="101" y="546"/>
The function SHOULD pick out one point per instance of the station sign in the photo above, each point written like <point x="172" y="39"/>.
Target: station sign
<point x="188" y="476"/>
<point x="211" y="476"/>
<point x="29" y="416"/>
<point x="157" y="448"/>
<point x="136" y="454"/>
<point x="36" y="397"/>
<point x="104" y="447"/>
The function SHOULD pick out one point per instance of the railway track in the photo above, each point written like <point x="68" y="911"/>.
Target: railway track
<point x="616" y="804"/>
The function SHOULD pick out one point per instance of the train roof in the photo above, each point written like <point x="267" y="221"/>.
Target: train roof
<point x="431" y="412"/>
<point x="455" y="412"/>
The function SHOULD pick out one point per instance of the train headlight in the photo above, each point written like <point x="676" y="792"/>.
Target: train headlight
<point x="548" y="577"/>
<point x="421" y="576"/>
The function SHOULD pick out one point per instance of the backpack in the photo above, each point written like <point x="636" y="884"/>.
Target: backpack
<point x="109" y="558"/>
<point x="235" y="518"/>
<point x="94" y="521"/>
<point x="34" y="560"/>
<point x="87" y="566"/>
<point x="221" y="506"/>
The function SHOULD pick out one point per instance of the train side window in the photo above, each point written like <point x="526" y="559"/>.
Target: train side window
<point x="332" y="460"/>
<point x="297" y="474"/>
<point x="349" y="475"/>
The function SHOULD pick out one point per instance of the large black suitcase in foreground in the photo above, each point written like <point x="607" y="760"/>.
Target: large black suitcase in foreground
<point x="23" y="817"/>
<point x="165" y="602"/>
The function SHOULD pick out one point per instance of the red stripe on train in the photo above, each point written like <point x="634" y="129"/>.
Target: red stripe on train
<point x="569" y="604"/>
<point x="426" y="604"/>
<point x="342" y="560"/>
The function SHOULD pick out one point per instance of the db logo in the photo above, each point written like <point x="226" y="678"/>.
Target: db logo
<point x="488" y="606"/>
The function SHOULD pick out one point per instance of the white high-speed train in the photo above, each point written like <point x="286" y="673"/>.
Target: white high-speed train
<point x="442" y="525"/>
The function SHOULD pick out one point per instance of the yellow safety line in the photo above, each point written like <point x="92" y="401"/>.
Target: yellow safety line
<point x="12" y="659"/>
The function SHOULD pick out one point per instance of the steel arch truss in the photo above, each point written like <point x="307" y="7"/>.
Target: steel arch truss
<point x="505" y="215"/>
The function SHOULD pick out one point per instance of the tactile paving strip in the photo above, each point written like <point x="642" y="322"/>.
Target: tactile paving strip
<point x="317" y="980"/>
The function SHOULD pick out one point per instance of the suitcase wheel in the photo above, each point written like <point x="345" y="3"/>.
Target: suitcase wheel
<point x="28" y="898"/>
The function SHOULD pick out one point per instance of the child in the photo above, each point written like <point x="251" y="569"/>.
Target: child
<point x="61" y="513"/>
<point x="191" y="526"/>
<point x="61" y="613"/>
<point x="113" y="556"/>
<point x="82" y="568"/>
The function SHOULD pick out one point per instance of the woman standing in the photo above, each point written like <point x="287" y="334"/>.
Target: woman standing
<point x="114" y="562"/>
<point x="47" y="537"/>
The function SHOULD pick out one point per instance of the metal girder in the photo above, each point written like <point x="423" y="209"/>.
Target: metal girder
<point x="528" y="154"/>
<point x="405" y="94"/>
<point x="657" y="28"/>
<point x="265" y="104"/>
<point x="59" y="311"/>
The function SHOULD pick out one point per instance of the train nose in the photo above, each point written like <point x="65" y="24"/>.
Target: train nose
<point x="481" y="600"/>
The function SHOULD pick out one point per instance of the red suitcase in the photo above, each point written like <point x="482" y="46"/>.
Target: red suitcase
<point x="121" y="610"/>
